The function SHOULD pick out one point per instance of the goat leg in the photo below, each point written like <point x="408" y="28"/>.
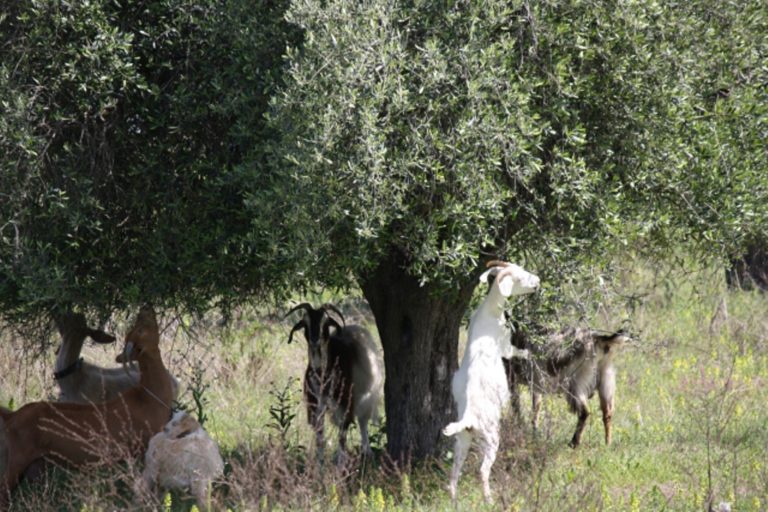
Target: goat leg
<point x="365" y="443"/>
<point x="583" y="416"/>
<point x="341" y="456"/>
<point x="607" y="391"/>
<point x="460" y="451"/>
<point x="317" y="422"/>
<point x="535" y="409"/>
<point x="490" y="447"/>
<point x="607" y="407"/>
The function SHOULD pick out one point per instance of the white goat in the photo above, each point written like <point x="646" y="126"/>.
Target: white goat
<point x="480" y="384"/>
<point x="184" y="457"/>
<point x="82" y="382"/>
<point x="344" y="374"/>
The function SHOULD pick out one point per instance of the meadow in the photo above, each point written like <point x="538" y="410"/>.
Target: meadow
<point x="689" y="426"/>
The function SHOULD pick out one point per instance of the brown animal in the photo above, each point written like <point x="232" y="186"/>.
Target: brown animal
<point x="575" y="362"/>
<point x="103" y="433"/>
<point x="83" y="382"/>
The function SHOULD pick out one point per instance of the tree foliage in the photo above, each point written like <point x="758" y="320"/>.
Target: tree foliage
<point x="543" y="131"/>
<point x="122" y="124"/>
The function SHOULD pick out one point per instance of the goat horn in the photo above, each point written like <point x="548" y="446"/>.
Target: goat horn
<point x="328" y="306"/>
<point x="304" y="305"/>
<point x="497" y="263"/>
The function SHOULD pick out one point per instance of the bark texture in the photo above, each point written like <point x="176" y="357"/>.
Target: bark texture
<point x="419" y="328"/>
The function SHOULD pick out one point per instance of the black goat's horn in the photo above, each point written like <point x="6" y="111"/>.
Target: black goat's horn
<point x="304" y="305"/>
<point x="328" y="306"/>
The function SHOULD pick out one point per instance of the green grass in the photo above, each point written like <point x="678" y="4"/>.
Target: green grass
<point x="689" y="422"/>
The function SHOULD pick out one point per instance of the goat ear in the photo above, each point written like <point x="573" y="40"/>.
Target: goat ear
<point x="488" y="273"/>
<point x="300" y="324"/>
<point x="101" y="337"/>
<point x="506" y="284"/>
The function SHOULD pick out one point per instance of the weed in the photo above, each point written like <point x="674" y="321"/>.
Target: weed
<point x="282" y="411"/>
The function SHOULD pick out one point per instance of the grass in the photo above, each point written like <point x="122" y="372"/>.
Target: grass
<point x="688" y="430"/>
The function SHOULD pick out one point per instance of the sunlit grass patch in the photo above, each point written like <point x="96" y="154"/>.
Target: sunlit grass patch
<point x="689" y="425"/>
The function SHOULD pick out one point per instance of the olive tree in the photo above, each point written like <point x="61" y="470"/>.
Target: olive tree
<point x="417" y="140"/>
<point x="122" y="124"/>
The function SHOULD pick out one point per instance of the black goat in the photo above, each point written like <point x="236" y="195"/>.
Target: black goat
<point x="344" y="375"/>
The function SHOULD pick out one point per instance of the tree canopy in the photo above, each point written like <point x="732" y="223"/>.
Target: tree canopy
<point x="543" y="131"/>
<point x="122" y="123"/>
<point x="198" y="152"/>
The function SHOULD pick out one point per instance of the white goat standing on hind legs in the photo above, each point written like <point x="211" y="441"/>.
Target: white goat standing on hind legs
<point x="480" y="385"/>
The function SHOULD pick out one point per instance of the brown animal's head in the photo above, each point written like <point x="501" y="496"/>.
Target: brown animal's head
<point x="317" y="324"/>
<point x="143" y="337"/>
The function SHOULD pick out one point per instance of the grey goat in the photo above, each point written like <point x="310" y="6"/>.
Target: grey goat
<point x="575" y="362"/>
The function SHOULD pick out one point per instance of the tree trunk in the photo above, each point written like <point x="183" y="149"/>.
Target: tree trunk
<point x="751" y="270"/>
<point x="419" y="329"/>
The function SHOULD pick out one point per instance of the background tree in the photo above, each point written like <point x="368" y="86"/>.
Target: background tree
<point x="122" y="123"/>
<point x="420" y="139"/>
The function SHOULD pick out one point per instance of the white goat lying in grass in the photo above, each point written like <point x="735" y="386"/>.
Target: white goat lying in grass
<point x="480" y="385"/>
<point x="182" y="456"/>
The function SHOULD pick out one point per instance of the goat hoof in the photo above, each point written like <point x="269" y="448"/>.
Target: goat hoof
<point x="340" y="459"/>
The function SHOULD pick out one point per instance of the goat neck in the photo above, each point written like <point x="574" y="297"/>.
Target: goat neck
<point x="73" y="331"/>
<point x="154" y="377"/>
<point x="142" y="345"/>
<point x="495" y="301"/>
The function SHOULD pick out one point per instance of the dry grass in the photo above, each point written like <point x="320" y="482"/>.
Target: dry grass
<point x="688" y="429"/>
